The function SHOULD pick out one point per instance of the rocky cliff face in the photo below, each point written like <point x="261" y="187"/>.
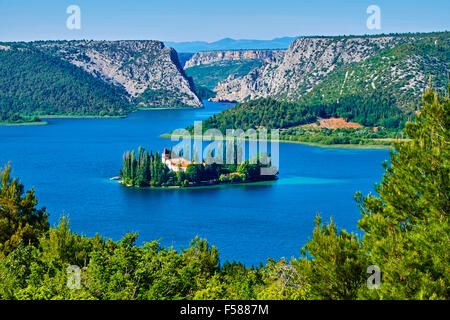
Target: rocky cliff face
<point x="303" y="66"/>
<point x="143" y="68"/>
<point x="207" y="57"/>
<point x="399" y="75"/>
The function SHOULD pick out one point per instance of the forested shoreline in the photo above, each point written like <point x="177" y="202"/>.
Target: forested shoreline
<point x="294" y="119"/>
<point x="59" y="88"/>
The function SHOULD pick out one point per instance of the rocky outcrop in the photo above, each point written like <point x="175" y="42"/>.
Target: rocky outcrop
<point x="303" y="66"/>
<point x="207" y="57"/>
<point x="142" y="67"/>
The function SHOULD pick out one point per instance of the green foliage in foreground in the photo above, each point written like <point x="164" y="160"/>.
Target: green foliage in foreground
<point x="20" y="221"/>
<point x="406" y="235"/>
<point x="406" y="227"/>
<point x="59" y="88"/>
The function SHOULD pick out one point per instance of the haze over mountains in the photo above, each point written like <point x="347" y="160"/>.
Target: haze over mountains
<point x="231" y="44"/>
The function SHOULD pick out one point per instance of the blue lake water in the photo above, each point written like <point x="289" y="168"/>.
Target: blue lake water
<point x="69" y="163"/>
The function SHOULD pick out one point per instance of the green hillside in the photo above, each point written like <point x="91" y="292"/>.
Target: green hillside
<point x="384" y="90"/>
<point x="33" y="83"/>
<point x="400" y="74"/>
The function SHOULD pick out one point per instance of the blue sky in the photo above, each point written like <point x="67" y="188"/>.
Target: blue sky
<point x="210" y="20"/>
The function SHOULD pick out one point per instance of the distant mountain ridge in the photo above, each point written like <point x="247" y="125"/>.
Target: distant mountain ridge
<point x="230" y="44"/>
<point x="207" y="57"/>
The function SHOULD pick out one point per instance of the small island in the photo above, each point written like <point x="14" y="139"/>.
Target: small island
<point x="148" y="169"/>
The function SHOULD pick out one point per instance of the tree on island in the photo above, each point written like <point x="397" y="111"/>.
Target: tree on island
<point x="147" y="169"/>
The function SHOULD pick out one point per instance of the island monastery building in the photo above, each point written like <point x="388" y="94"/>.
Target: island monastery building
<point x="174" y="164"/>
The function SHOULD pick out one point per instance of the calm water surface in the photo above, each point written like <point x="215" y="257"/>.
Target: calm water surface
<point x="69" y="163"/>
